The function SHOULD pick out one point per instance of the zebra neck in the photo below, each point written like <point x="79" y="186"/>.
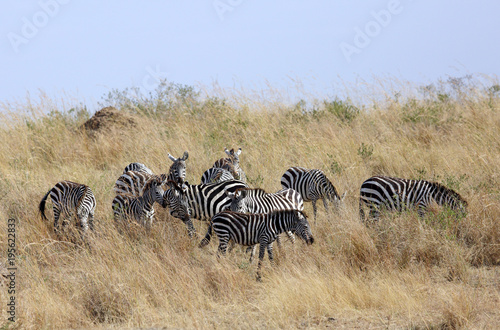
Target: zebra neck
<point x="280" y="222"/>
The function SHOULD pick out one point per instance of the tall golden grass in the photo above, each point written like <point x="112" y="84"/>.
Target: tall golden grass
<point x="402" y="272"/>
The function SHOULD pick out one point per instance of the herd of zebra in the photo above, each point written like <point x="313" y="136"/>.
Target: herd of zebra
<point x="236" y="212"/>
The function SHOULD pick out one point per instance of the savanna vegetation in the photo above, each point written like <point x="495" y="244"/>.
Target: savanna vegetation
<point x="440" y="271"/>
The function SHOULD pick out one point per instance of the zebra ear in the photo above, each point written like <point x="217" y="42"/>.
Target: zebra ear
<point x="238" y="152"/>
<point x="185" y="156"/>
<point x="227" y="152"/>
<point x="343" y="196"/>
<point x="172" y="158"/>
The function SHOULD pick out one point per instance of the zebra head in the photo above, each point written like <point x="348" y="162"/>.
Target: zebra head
<point x="238" y="201"/>
<point x="302" y="228"/>
<point x="177" y="171"/>
<point x="457" y="202"/>
<point x="154" y="189"/>
<point x="176" y="200"/>
<point x="234" y="157"/>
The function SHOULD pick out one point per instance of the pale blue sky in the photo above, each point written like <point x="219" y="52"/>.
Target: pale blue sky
<point x="87" y="48"/>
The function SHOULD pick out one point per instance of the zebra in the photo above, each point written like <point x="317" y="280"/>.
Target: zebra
<point x="177" y="171"/>
<point x="214" y="175"/>
<point x="199" y="201"/>
<point x="133" y="183"/>
<point x="312" y="185"/>
<point x="137" y="167"/>
<point x="251" y="229"/>
<point x="247" y="200"/>
<point x="232" y="164"/>
<point x="70" y="198"/>
<point x="397" y="194"/>
<point x="140" y="208"/>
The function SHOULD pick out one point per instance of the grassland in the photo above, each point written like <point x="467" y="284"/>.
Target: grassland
<point x="404" y="272"/>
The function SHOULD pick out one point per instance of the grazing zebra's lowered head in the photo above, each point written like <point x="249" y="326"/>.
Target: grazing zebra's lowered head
<point x="137" y="167"/>
<point x="232" y="164"/>
<point x="71" y="199"/>
<point x="177" y="171"/>
<point x="312" y="185"/>
<point x="397" y="194"/>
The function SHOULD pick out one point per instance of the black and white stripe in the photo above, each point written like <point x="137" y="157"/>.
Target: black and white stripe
<point x="140" y="208"/>
<point x="215" y="175"/>
<point x="248" y="200"/>
<point x="132" y="183"/>
<point x="312" y="185"/>
<point x="252" y="229"/>
<point x="137" y="167"/>
<point x="177" y="171"/>
<point x="70" y="199"/>
<point x="396" y="194"/>
<point x="200" y="202"/>
<point x="232" y="164"/>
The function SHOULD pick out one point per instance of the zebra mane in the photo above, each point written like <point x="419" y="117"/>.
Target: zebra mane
<point x="156" y="179"/>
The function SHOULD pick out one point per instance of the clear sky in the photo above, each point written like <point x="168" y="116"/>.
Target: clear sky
<point x="86" y="48"/>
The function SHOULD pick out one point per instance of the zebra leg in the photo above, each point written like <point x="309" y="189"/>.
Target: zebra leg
<point x="325" y="204"/>
<point x="57" y="214"/>
<point x="252" y="252"/>
<point x="315" y="209"/>
<point x="190" y="227"/>
<point x="223" y="241"/>
<point x="262" y="252"/>
<point x="291" y="237"/>
<point x="270" y="254"/>
<point x="91" y="220"/>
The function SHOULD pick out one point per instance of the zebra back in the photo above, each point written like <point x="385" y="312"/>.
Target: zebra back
<point x="398" y="194"/>
<point x="215" y="175"/>
<point x="132" y="183"/>
<point x="248" y="200"/>
<point x="137" y="167"/>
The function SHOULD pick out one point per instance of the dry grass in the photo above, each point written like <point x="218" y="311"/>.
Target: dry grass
<point x="403" y="272"/>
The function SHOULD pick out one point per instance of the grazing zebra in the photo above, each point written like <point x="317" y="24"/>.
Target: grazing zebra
<point x="232" y="164"/>
<point x="140" y="208"/>
<point x="401" y="194"/>
<point x="214" y="175"/>
<point x="247" y="200"/>
<point x="201" y="202"/>
<point x="177" y="171"/>
<point x="251" y="229"/>
<point x="133" y="183"/>
<point x="312" y="185"/>
<point x="137" y="167"/>
<point x="70" y="198"/>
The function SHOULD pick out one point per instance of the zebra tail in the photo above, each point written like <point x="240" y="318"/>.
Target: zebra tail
<point x="204" y="242"/>
<point x="361" y="210"/>
<point x="41" y="207"/>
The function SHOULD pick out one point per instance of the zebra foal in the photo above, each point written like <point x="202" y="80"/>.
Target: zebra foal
<point x="69" y="199"/>
<point x="252" y="229"/>
<point x="397" y="194"/>
<point x="140" y="208"/>
<point x="312" y="185"/>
